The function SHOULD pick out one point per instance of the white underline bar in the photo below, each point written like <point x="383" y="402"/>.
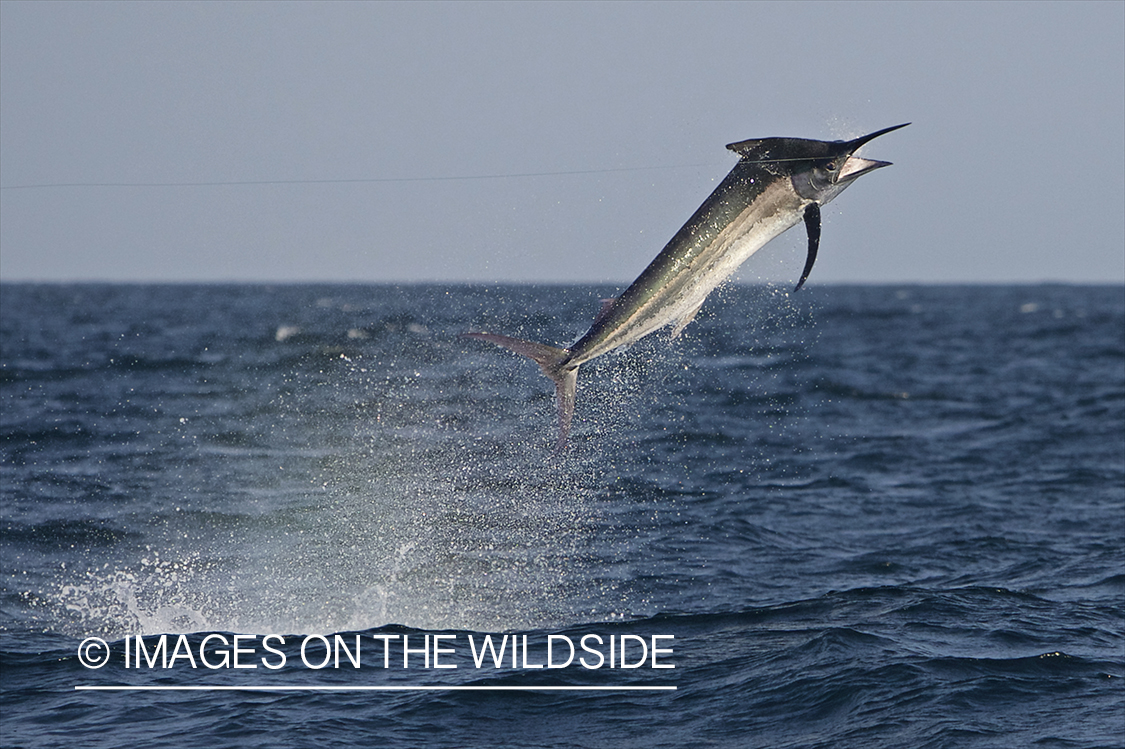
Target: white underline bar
<point x="263" y="688"/>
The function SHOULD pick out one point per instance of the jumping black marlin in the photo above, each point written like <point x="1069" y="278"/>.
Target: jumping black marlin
<point x="776" y="183"/>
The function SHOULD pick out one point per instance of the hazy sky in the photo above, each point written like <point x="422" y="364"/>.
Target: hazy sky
<point x="1014" y="168"/>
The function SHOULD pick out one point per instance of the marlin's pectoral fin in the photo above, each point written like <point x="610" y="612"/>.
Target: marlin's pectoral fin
<point x="812" y="226"/>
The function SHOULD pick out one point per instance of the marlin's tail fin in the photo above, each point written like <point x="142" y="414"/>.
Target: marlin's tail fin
<point x="551" y="360"/>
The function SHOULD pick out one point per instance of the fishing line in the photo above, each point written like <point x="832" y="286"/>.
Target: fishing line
<point x="370" y="180"/>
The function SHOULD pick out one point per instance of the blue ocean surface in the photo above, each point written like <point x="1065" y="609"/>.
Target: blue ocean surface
<point x="858" y="516"/>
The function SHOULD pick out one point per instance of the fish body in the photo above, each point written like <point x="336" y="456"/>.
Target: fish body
<point x="777" y="183"/>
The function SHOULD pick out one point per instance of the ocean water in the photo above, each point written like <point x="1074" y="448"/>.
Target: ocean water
<point x="859" y="516"/>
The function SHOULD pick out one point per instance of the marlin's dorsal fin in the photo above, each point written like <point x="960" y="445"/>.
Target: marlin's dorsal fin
<point x="745" y="147"/>
<point x="782" y="149"/>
